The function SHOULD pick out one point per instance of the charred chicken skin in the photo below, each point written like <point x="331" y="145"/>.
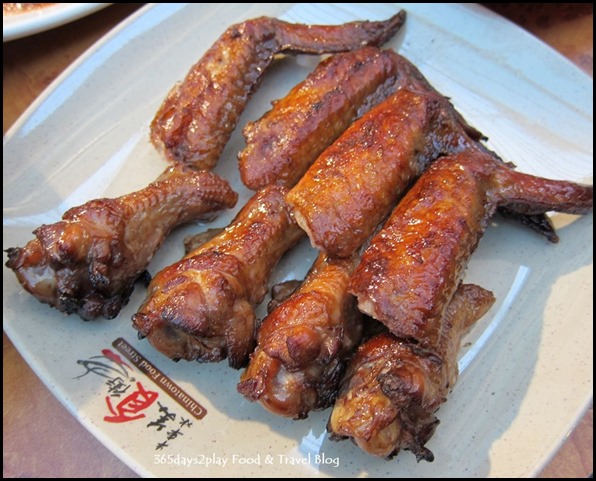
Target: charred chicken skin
<point x="198" y="116"/>
<point x="392" y="388"/>
<point x="303" y="344"/>
<point x="87" y="263"/>
<point x="202" y="307"/>
<point x="282" y="144"/>
<point x="354" y="184"/>
<point x="413" y="266"/>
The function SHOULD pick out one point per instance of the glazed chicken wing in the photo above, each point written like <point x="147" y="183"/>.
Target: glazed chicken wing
<point x="202" y="307"/>
<point x="392" y="388"/>
<point x="198" y="116"/>
<point x="413" y="266"/>
<point x="286" y="140"/>
<point x="355" y="183"/>
<point x="303" y="344"/>
<point x="88" y="262"/>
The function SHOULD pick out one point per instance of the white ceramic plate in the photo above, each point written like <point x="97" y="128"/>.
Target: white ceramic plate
<point x="527" y="368"/>
<point x="41" y="19"/>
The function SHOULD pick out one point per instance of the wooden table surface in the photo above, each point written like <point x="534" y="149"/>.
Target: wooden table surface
<point x="41" y="439"/>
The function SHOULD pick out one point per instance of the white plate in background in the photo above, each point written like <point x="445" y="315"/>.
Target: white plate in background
<point x="528" y="374"/>
<point x="19" y="25"/>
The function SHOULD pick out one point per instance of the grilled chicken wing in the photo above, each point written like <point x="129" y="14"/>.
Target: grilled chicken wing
<point x="202" y="307"/>
<point x="287" y="139"/>
<point x="412" y="267"/>
<point x="198" y="116"/>
<point x="302" y="345"/>
<point x="88" y="262"/>
<point x="355" y="183"/>
<point x="392" y="388"/>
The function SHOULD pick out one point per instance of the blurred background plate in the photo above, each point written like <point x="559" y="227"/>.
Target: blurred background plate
<point x="17" y="25"/>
